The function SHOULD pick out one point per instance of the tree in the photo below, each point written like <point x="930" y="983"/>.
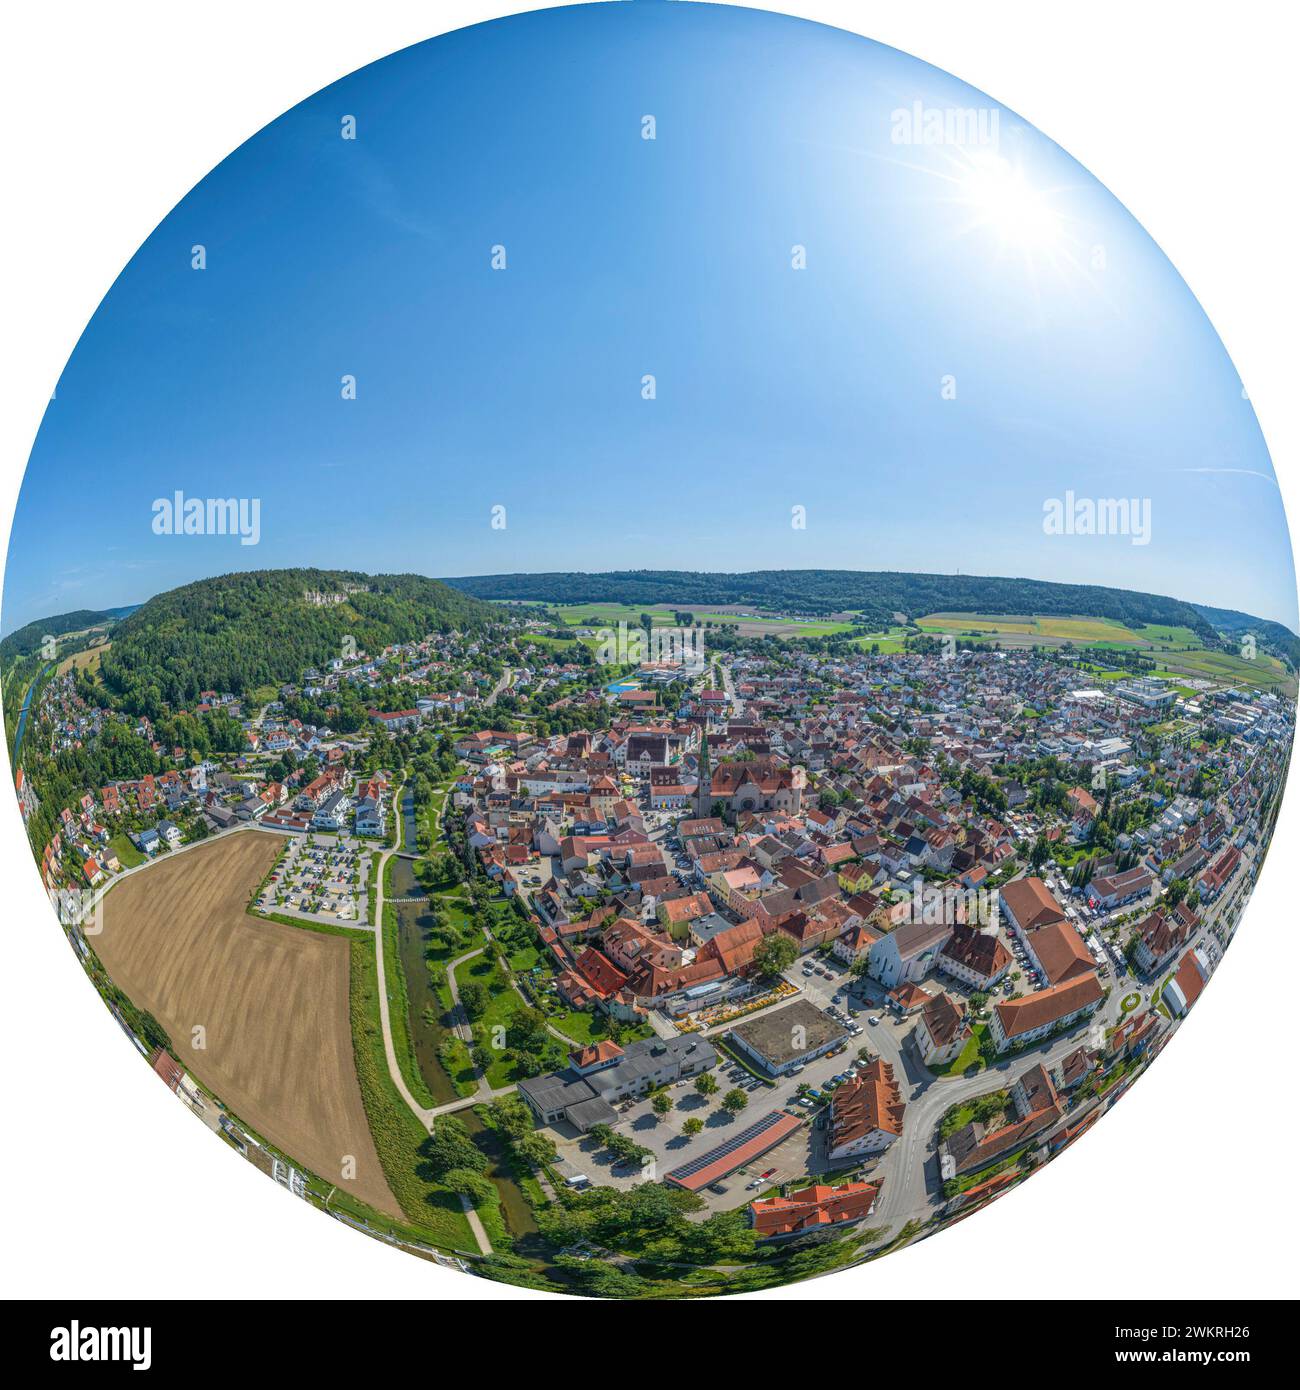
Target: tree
<point x="661" y="1103"/>
<point x="474" y="998"/>
<point x="535" y="1149"/>
<point x="470" y="1184"/>
<point x="512" y="1116"/>
<point x="450" y="1147"/>
<point x="693" y="1125"/>
<point x="735" y="1101"/>
<point x="706" y="1084"/>
<point x="153" y="1032"/>
<point x="775" y="954"/>
<point x="526" y="1030"/>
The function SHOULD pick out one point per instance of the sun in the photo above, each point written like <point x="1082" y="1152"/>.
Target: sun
<point x="1003" y="201"/>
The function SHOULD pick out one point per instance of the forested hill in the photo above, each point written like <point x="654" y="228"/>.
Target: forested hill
<point x="25" y="641"/>
<point x="878" y="595"/>
<point x="1270" y="634"/>
<point x="241" y="631"/>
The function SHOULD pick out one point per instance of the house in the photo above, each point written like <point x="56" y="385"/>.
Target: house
<point x="908" y="999"/>
<point x="866" y="1113"/>
<point x="1215" y="878"/>
<point x="1159" y="939"/>
<point x="1058" y="952"/>
<point x="332" y="813"/>
<point x="854" y="943"/>
<point x="1035" y="1107"/>
<point x="760" y="785"/>
<point x="676" y="915"/>
<point x="1018" y="1022"/>
<point x="369" y="816"/>
<point x="1118" y="889"/>
<point x="1133" y="1035"/>
<point x="941" y="1030"/>
<point x="817" y="1210"/>
<point x="1083" y="806"/>
<point x="397" y="719"/>
<point x="976" y="958"/>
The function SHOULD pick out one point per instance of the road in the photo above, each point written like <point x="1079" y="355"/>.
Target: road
<point x="729" y="686"/>
<point x="500" y="687"/>
<point x="426" y="1115"/>
<point x="910" y="1167"/>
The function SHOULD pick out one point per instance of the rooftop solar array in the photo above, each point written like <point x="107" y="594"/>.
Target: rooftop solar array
<point x="715" y="1156"/>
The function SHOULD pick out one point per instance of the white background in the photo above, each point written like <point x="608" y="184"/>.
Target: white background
<point x="1186" y="112"/>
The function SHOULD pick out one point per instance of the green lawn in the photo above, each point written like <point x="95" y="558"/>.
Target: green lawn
<point x="587" y="1026"/>
<point x="126" y="852"/>
<point x="968" y="1061"/>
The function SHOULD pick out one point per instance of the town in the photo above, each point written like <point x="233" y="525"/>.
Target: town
<point x="839" y="946"/>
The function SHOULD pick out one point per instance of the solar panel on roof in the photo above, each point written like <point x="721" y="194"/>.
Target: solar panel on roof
<point x="706" y="1160"/>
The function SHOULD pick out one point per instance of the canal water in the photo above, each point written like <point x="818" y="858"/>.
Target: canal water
<point x="414" y="925"/>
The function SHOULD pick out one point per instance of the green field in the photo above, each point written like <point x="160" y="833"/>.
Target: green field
<point x="750" y="623"/>
<point x="1264" y="673"/>
<point x="1046" y="629"/>
<point x="127" y="854"/>
<point x="1178" y="650"/>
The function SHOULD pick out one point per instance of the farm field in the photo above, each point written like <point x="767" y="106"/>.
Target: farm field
<point x="1265" y="672"/>
<point x="887" y="643"/>
<point x="1178" y="649"/>
<point x="87" y="660"/>
<point x="272" y="1000"/>
<point x="748" y="622"/>
<point x="1047" y="630"/>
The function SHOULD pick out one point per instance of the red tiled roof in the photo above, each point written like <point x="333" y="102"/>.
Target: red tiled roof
<point x="811" y="1207"/>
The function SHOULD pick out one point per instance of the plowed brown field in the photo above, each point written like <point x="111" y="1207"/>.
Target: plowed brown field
<point x="272" y="1001"/>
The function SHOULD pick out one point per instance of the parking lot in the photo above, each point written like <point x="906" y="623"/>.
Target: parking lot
<point x="320" y="876"/>
<point x="802" y="1153"/>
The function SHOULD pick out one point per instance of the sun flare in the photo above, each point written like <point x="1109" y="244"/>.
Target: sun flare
<point x="1004" y="201"/>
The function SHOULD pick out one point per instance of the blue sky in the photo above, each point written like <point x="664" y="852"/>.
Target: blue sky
<point x="1082" y="362"/>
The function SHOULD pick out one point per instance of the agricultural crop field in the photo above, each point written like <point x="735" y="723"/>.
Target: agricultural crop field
<point x="87" y="660"/>
<point x="1028" y="630"/>
<point x="748" y="622"/>
<point x="1178" y="651"/>
<point x="271" y="1001"/>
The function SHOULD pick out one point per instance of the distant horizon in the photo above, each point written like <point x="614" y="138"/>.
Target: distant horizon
<point x="6" y="630"/>
<point x="499" y="320"/>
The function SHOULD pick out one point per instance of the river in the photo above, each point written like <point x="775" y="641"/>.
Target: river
<point x="26" y="708"/>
